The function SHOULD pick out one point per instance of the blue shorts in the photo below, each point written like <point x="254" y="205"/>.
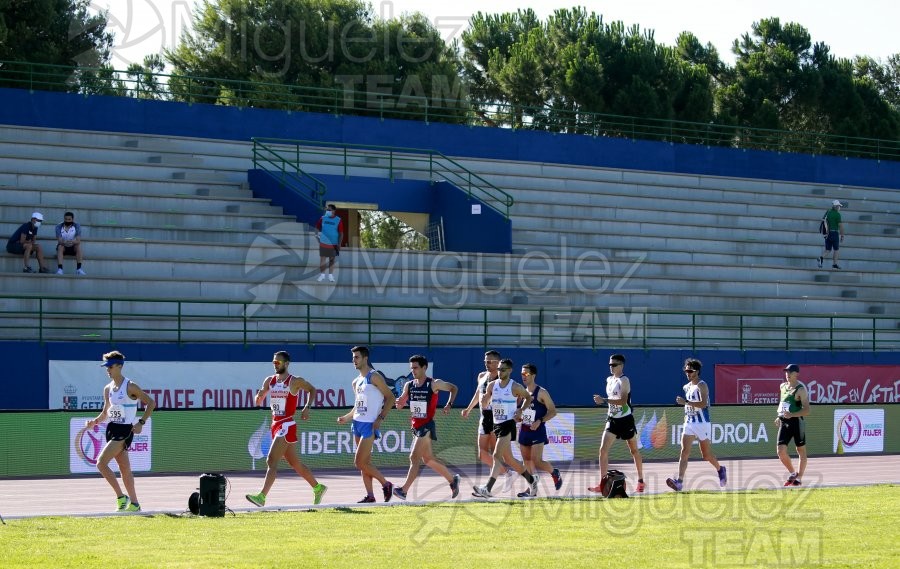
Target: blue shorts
<point x="833" y="241"/>
<point x="364" y="430"/>
<point x="531" y="438"/>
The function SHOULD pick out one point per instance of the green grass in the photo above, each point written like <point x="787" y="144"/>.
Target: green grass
<point x="833" y="527"/>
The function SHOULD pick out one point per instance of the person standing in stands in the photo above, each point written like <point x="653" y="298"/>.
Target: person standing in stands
<point x="696" y="425"/>
<point x="422" y="394"/>
<point x="120" y="404"/>
<point x="331" y="234"/>
<point x="835" y="237"/>
<point x="793" y="406"/>
<point x="24" y="243"/>
<point x="283" y="390"/>
<point x="68" y="242"/>
<point x="533" y="428"/>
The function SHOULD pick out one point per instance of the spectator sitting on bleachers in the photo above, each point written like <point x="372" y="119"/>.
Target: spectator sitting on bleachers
<point x="68" y="242"/>
<point x="24" y="242"/>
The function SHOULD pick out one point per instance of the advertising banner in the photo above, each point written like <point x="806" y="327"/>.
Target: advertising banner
<point x="858" y="430"/>
<point x="56" y="443"/>
<point x="78" y="385"/>
<point x="836" y="384"/>
<point x="86" y="444"/>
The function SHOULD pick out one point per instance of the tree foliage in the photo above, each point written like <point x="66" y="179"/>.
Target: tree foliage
<point x="293" y="54"/>
<point x="379" y="230"/>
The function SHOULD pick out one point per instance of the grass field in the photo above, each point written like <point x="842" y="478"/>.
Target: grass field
<point x="831" y="527"/>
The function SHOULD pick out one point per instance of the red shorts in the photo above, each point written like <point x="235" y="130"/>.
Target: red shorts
<point x="286" y="429"/>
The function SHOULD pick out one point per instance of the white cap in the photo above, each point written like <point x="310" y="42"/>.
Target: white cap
<point x="38" y="216"/>
<point x="836" y="203"/>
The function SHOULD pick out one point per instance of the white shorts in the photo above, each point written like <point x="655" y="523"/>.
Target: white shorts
<point x="700" y="430"/>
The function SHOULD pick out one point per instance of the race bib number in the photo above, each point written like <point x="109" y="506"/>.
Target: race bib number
<point x="116" y="414"/>
<point x="278" y="404"/>
<point x="419" y="409"/>
<point x="528" y="416"/>
<point x="690" y="410"/>
<point x="785" y="408"/>
<point x="614" y="409"/>
<point x="499" y="414"/>
<point x="362" y="405"/>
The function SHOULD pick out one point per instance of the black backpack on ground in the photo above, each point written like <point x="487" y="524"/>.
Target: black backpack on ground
<point x="613" y="484"/>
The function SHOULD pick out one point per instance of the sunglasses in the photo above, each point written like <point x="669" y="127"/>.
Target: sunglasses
<point x="614" y="364"/>
<point x="690" y="371"/>
<point x="276" y="362"/>
<point x="504" y="368"/>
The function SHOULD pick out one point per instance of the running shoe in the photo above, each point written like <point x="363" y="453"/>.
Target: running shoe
<point x="132" y="507"/>
<point x="598" y="488"/>
<point x="525" y="494"/>
<point x="509" y="479"/>
<point x="454" y="486"/>
<point x="723" y="476"/>
<point x="534" y="485"/>
<point x="367" y="500"/>
<point x="674" y="484"/>
<point x="398" y="492"/>
<point x="122" y="503"/>
<point x="481" y="492"/>
<point x="388" y="490"/>
<point x="256" y="499"/>
<point x="319" y="491"/>
<point x="557" y="478"/>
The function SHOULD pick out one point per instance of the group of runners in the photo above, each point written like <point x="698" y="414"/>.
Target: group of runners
<point x="510" y="412"/>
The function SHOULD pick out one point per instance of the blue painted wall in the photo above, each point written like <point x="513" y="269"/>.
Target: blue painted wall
<point x="60" y="110"/>
<point x="571" y="375"/>
<point x="441" y="199"/>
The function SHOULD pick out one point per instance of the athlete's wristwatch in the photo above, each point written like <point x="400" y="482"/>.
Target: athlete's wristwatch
<point x="141" y="421"/>
<point x="381" y="417"/>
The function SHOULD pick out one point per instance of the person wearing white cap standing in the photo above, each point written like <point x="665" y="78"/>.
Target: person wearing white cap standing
<point x="835" y="234"/>
<point x="24" y="242"/>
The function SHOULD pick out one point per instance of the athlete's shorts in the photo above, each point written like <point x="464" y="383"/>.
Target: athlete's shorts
<point x="487" y="422"/>
<point x="833" y="241"/>
<point x="286" y="429"/>
<point x="506" y="428"/>
<point x="622" y="427"/>
<point x="793" y="428"/>
<point x="327" y="252"/>
<point x="702" y="431"/>
<point x="120" y="432"/>
<point x="364" y="430"/>
<point x="425" y="429"/>
<point x="529" y="438"/>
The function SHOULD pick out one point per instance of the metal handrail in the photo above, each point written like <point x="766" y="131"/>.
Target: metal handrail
<point x="241" y="93"/>
<point x="288" y="173"/>
<point x="399" y="159"/>
<point x="46" y="318"/>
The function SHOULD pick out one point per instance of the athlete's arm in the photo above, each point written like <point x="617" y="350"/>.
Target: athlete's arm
<point x="488" y="395"/>
<point x="475" y="398"/>
<point x="103" y="414"/>
<point x="441" y="385"/>
<point x="262" y="392"/>
<point x="404" y="396"/>
<point x="623" y="394"/>
<point x="135" y="392"/>
<point x="545" y="398"/>
<point x="378" y="381"/>
<point x="298" y="383"/>
<point x="519" y="391"/>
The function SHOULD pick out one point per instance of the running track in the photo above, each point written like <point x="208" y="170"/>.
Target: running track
<point x="91" y="496"/>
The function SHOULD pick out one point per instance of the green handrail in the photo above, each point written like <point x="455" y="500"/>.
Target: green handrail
<point x="287" y="171"/>
<point x="400" y="159"/>
<point x="66" y="318"/>
<point x="241" y="93"/>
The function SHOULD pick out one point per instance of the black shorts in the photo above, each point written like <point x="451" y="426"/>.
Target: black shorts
<point x="792" y="429"/>
<point x="67" y="251"/>
<point x="425" y="429"/>
<point x="506" y="428"/>
<point x="120" y="432"/>
<point x="487" y="422"/>
<point x="531" y="438"/>
<point x="17" y="249"/>
<point x="833" y="241"/>
<point x="623" y="427"/>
